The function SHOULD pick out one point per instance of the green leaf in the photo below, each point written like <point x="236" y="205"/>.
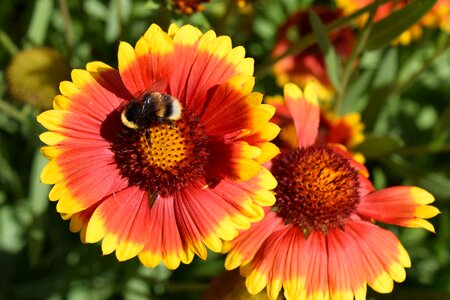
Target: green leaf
<point x="118" y="14"/>
<point x="384" y="31"/>
<point x="441" y="129"/>
<point x="435" y="183"/>
<point x="38" y="191"/>
<point x="112" y="28"/>
<point x="387" y="69"/>
<point x="39" y="22"/>
<point x="332" y="61"/>
<point x="11" y="231"/>
<point x="96" y="9"/>
<point x="382" y="86"/>
<point x="356" y="92"/>
<point x="379" y="146"/>
<point x="275" y="13"/>
<point x="8" y="175"/>
<point x="38" y="199"/>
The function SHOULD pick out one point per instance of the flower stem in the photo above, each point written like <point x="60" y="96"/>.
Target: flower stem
<point x="68" y="29"/>
<point x="351" y="62"/>
<point x="121" y="17"/>
<point x="226" y="15"/>
<point x="420" y="149"/>
<point x="11" y="111"/>
<point x="7" y="43"/>
<point x="401" y="87"/>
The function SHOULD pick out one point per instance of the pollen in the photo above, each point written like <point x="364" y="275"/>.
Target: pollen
<point x="166" y="147"/>
<point x="164" y="157"/>
<point x="317" y="188"/>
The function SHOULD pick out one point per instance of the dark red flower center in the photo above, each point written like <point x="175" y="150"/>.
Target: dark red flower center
<point x="317" y="188"/>
<point x="163" y="158"/>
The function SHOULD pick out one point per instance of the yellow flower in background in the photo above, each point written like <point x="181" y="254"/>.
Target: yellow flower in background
<point x="437" y="17"/>
<point x="319" y="241"/>
<point x="149" y="186"/>
<point x="34" y="74"/>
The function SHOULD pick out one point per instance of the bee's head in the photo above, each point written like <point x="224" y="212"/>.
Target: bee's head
<point x="130" y="114"/>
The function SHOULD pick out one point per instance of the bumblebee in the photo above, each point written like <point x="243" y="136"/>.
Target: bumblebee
<point x="149" y="108"/>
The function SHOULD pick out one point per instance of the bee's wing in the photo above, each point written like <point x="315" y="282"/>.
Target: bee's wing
<point x="159" y="86"/>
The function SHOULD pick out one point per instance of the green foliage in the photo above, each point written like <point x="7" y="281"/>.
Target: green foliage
<point x="332" y="60"/>
<point x="386" y="30"/>
<point x="403" y="94"/>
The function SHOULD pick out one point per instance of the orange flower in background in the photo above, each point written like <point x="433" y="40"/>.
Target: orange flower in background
<point x="245" y="5"/>
<point x="309" y="64"/>
<point x="319" y="240"/>
<point x="346" y="130"/>
<point x="189" y="6"/>
<point x="437" y="17"/>
<point x="166" y="189"/>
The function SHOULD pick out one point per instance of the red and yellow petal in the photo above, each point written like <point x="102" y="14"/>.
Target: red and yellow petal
<point x="165" y="242"/>
<point x="85" y="102"/>
<point x="79" y="221"/>
<point x="259" y="188"/>
<point x="384" y="256"/>
<point x="365" y="186"/>
<point x="240" y="143"/>
<point x="294" y="281"/>
<point x="74" y="173"/>
<point x="335" y="265"/>
<point x="286" y="259"/>
<point x="236" y="113"/>
<point x="317" y="277"/>
<point x="233" y="201"/>
<point x="205" y="61"/>
<point x="151" y="61"/>
<point x="93" y="93"/>
<point x="268" y="265"/>
<point x="402" y="205"/>
<point x="305" y="112"/>
<point x="202" y="219"/>
<point x="236" y="161"/>
<point x="121" y="221"/>
<point x="345" y="266"/>
<point x="243" y="248"/>
<point x="110" y="79"/>
<point x="75" y="134"/>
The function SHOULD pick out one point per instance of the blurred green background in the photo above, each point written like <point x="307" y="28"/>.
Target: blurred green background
<point x="402" y="93"/>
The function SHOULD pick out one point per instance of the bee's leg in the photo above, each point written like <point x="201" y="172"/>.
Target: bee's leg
<point x="168" y="122"/>
<point x="148" y="137"/>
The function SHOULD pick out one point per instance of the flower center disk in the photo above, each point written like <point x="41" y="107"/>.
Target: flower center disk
<point x="163" y="158"/>
<point x="317" y="188"/>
